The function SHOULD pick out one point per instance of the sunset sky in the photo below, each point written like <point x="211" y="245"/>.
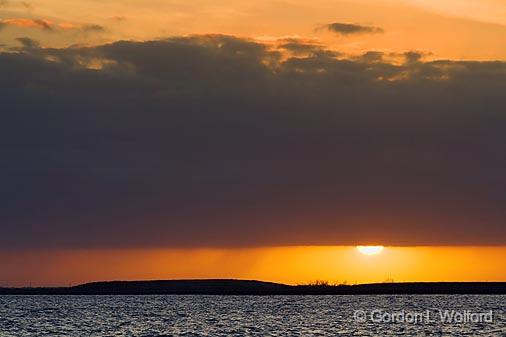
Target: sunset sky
<point x="252" y="139"/>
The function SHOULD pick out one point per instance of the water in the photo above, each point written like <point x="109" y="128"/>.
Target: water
<point x="147" y="316"/>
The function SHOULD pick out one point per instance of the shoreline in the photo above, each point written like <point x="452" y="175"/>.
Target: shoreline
<point x="252" y="287"/>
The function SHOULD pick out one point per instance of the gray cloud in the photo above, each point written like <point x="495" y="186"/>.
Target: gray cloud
<point x="351" y="28"/>
<point x="221" y="141"/>
<point x="28" y="43"/>
<point x="299" y="47"/>
<point x="93" y="28"/>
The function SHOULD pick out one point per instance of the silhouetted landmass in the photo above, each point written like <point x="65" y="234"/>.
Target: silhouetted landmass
<point x="246" y="287"/>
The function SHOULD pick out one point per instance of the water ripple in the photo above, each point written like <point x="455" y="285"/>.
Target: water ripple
<point x="231" y="316"/>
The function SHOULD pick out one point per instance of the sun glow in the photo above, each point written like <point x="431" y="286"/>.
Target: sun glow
<point x="370" y="250"/>
<point x="291" y="265"/>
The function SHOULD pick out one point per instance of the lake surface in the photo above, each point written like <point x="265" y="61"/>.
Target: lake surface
<point x="171" y="315"/>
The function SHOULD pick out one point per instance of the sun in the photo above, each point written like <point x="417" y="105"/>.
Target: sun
<point x="370" y="250"/>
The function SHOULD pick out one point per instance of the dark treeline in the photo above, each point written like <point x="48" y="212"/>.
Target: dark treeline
<point x="246" y="287"/>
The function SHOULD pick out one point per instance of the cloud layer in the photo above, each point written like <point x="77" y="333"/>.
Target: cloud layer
<point x="352" y="28"/>
<point x="221" y="141"/>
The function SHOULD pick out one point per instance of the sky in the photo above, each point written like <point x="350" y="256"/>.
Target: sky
<point x="180" y="130"/>
<point x="289" y="265"/>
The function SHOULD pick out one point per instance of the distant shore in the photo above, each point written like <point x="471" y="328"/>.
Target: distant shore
<point x="251" y="287"/>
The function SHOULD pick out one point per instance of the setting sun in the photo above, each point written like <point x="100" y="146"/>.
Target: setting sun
<point x="370" y="250"/>
<point x="254" y="167"/>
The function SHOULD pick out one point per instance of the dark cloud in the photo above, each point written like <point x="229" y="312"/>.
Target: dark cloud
<point x="300" y="47"/>
<point x="372" y="56"/>
<point x="220" y="141"/>
<point x="351" y="28"/>
<point x="93" y="28"/>
<point x="413" y="56"/>
<point x="28" y="43"/>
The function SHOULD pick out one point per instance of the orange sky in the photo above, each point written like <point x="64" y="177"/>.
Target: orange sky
<point x="440" y="29"/>
<point x="280" y="264"/>
<point x="447" y="29"/>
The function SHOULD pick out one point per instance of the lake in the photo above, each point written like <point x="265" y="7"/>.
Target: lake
<point x="193" y="315"/>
